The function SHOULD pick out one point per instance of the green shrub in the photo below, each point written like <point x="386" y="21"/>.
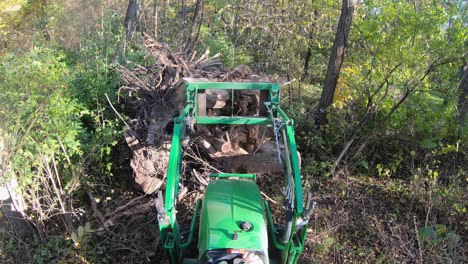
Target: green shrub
<point x="59" y="132"/>
<point x="39" y="121"/>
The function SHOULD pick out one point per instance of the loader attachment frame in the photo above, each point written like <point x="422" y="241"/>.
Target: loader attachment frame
<point x="289" y="240"/>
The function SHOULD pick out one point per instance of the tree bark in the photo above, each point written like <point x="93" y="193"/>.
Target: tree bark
<point x="309" y="48"/>
<point x="155" y="18"/>
<point x="165" y="4"/>
<point x="184" y="14"/>
<point x="307" y="58"/>
<point x="130" y="18"/>
<point x="336" y="61"/>
<point x="462" y="100"/>
<point x="45" y="17"/>
<point x="191" y="34"/>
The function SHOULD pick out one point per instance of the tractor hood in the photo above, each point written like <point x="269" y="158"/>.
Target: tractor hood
<point x="232" y="217"/>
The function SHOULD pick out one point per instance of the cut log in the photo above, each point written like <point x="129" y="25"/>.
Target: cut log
<point x="218" y="144"/>
<point x="216" y="98"/>
<point x="205" y="145"/>
<point x="148" y="164"/>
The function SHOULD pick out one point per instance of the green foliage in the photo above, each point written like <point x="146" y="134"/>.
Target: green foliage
<point x="66" y="250"/>
<point x="219" y="42"/>
<point x="57" y="109"/>
<point x="326" y="246"/>
<point x="59" y="132"/>
<point x="93" y="79"/>
<point x="269" y="36"/>
<point x="439" y="235"/>
<point x="397" y="94"/>
<point x="39" y="122"/>
<point x="93" y="71"/>
<point x="10" y="19"/>
<point x="9" y="10"/>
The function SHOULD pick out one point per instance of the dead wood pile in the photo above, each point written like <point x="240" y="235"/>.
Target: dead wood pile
<point x="152" y="94"/>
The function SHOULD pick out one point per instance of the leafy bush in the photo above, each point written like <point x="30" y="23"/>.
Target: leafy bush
<point x="39" y="122"/>
<point x="59" y="131"/>
<point x="219" y="42"/>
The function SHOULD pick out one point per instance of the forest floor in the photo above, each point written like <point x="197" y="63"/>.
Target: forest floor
<point x="364" y="220"/>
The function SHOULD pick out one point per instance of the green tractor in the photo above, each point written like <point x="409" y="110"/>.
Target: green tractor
<point x="234" y="221"/>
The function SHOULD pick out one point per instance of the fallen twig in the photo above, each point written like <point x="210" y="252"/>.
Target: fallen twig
<point x="134" y="210"/>
<point x="95" y="209"/>
<point x="121" y="118"/>
<point x="268" y="198"/>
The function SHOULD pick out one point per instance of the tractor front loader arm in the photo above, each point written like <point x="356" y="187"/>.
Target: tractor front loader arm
<point x="168" y="225"/>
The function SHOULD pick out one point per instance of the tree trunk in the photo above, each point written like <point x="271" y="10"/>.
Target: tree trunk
<point x="45" y="17"/>
<point x="309" y="48"/>
<point x="191" y="34"/>
<point x="336" y="61"/>
<point x="307" y="58"/>
<point x="165" y="4"/>
<point x="130" y="18"/>
<point x="462" y="100"/>
<point x="155" y="18"/>
<point x="184" y="14"/>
